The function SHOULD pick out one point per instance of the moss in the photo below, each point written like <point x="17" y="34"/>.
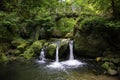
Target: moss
<point x="33" y="49"/>
<point x="106" y="65"/>
<point x="38" y="44"/>
<point x="3" y="58"/>
<point x="63" y="48"/>
<point x="51" y="49"/>
<point x="28" y="54"/>
<point x="69" y="35"/>
<point x="14" y="52"/>
<point x="20" y="44"/>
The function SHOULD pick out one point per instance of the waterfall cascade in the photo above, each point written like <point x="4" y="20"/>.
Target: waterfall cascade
<point x="57" y="51"/>
<point x="42" y="56"/>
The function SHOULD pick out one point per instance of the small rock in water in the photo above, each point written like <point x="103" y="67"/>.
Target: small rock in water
<point x="112" y="72"/>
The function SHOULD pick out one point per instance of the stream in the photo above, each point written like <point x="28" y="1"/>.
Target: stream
<point x="32" y="70"/>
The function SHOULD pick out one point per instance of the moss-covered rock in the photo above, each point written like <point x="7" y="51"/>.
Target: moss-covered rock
<point x="51" y="50"/>
<point x="64" y="51"/>
<point x="110" y="68"/>
<point x="89" y="46"/>
<point x="33" y="49"/>
<point x="28" y="54"/>
<point x="3" y="58"/>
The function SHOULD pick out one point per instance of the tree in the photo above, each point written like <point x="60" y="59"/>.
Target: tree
<point x="107" y="6"/>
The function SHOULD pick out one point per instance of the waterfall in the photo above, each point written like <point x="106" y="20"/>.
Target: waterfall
<point x="71" y="57"/>
<point x="57" y="51"/>
<point x="42" y="55"/>
<point x="72" y="62"/>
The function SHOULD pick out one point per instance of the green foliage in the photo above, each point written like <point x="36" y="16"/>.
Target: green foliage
<point x="66" y="25"/>
<point x="43" y="19"/>
<point x="33" y="49"/>
<point x="28" y="54"/>
<point x="8" y="25"/>
<point x="106" y="7"/>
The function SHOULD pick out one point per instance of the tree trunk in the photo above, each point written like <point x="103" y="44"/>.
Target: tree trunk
<point x="114" y="12"/>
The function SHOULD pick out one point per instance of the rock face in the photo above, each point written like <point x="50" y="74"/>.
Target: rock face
<point x="93" y="36"/>
<point x="89" y="46"/>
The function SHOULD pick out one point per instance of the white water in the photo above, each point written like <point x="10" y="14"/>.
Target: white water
<point x="57" y="53"/>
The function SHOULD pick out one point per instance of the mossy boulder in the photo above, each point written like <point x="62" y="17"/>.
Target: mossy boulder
<point x="88" y="36"/>
<point x="51" y="50"/>
<point x="33" y="49"/>
<point x="89" y="46"/>
<point x="3" y="58"/>
<point x="110" y="68"/>
<point x="28" y="53"/>
<point x="64" y="48"/>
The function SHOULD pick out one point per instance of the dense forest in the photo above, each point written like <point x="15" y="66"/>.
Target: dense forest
<point x="27" y="26"/>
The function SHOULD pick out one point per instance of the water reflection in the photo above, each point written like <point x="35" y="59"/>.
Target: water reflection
<point x="34" y="71"/>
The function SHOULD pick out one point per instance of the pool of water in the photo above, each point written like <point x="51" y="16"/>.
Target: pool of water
<point x="31" y="70"/>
